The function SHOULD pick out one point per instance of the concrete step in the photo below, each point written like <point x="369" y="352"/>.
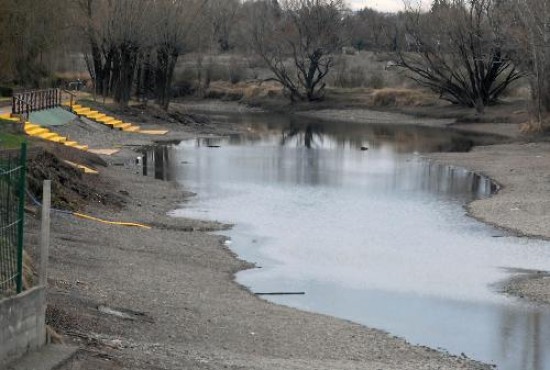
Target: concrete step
<point x="48" y="136"/>
<point x="99" y="116"/>
<point x="90" y="114"/>
<point x="131" y="129"/>
<point x="94" y="114"/>
<point x="48" y="358"/>
<point x="82" y="147"/>
<point x="58" y="139"/>
<point x="107" y="119"/>
<point x="82" y="111"/>
<point x="36" y="131"/>
<point x="122" y="126"/>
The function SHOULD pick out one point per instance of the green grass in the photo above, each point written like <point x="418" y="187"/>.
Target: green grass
<point x="9" y="139"/>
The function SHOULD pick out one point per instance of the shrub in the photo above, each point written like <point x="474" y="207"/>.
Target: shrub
<point x="401" y="97"/>
<point x="236" y="71"/>
<point x="6" y="91"/>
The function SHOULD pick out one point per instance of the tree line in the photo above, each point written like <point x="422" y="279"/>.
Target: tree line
<point x="467" y="51"/>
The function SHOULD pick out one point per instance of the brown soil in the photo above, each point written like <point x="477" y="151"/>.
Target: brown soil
<point x="71" y="188"/>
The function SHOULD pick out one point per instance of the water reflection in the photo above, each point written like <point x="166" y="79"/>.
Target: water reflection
<point x="444" y="180"/>
<point x="529" y="332"/>
<point x="315" y="167"/>
<point x="309" y="133"/>
<point x="157" y="161"/>
<point x="377" y="237"/>
<point x="303" y="135"/>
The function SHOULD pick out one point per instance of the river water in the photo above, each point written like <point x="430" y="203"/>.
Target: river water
<point x="376" y="236"/>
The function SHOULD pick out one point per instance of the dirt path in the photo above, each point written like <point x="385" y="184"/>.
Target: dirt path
<point x="175" y="301"/>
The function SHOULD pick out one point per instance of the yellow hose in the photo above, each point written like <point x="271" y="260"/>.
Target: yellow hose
<point x="130" y="224"/>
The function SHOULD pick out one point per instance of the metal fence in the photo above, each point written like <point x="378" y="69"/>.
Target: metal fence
<point x="12" y="203"/>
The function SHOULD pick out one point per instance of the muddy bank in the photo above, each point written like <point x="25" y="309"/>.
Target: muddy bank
<point x="174" y="285"/>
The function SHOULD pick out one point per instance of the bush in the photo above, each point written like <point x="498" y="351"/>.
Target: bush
<point x="6" y="91"/>
<point x="401" y="97"/>
<point x="236" y="71"/>
<point x="376" y="82"/>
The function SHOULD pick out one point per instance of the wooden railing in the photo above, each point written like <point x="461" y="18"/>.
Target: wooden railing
<point x="23" y="108"/>
<point x="26" y="102"/>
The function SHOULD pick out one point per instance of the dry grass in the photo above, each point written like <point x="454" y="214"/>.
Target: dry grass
<point x="533" y="127"/>
<point x="243" y="90"/>
<point x="392" y="97"/>
<point x="366" y="69"/>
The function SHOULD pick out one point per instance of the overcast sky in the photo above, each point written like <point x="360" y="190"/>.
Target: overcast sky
<point x="382" y="5"/>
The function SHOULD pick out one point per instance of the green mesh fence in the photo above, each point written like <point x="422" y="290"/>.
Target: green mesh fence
<point x="12" y="202"/>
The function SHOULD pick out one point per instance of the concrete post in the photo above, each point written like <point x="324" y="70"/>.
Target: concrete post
<point x="45" y="233"/>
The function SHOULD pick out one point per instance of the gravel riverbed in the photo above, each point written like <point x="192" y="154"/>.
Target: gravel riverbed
<point x="174" y="285"/>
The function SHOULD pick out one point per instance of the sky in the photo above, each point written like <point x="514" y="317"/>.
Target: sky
<point x="381" y="5"/>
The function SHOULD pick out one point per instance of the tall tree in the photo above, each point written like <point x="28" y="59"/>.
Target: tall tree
<point x="118" y="33"/>
<point x="30" y="31"/>
<point x="222" y="16"/>
<point x="175" y="21"/>
<point x="457" y="50"/>
<point x="296" y="39"/>
<point x="529" y="33"/>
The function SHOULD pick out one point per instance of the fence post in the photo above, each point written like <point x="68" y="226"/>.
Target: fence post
<point x="45" y="233"/>
<point x="21" y="217"/>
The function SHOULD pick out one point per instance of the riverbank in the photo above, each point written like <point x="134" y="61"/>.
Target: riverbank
<point x="165" y="298"/>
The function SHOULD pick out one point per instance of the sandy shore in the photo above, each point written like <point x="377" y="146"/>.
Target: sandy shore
<point x="173" y="293"/>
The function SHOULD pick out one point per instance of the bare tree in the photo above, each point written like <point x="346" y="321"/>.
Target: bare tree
<point x="372" y="30"/>
<point x="30" y="31"/>
<point x="457" y="50"/>
<point x="135" y="44"/>
<point x="296" y="39"/>
<point x="222" y="16"/>
<point x="118" y="33"/>
<point x="530" y="34"/>
<point x="174" y="22"/>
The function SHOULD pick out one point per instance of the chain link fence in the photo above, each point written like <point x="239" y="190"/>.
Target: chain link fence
<point x="12" y="203"/>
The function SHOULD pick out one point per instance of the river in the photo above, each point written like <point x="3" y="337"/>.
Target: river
<point x="370" y="231"/>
